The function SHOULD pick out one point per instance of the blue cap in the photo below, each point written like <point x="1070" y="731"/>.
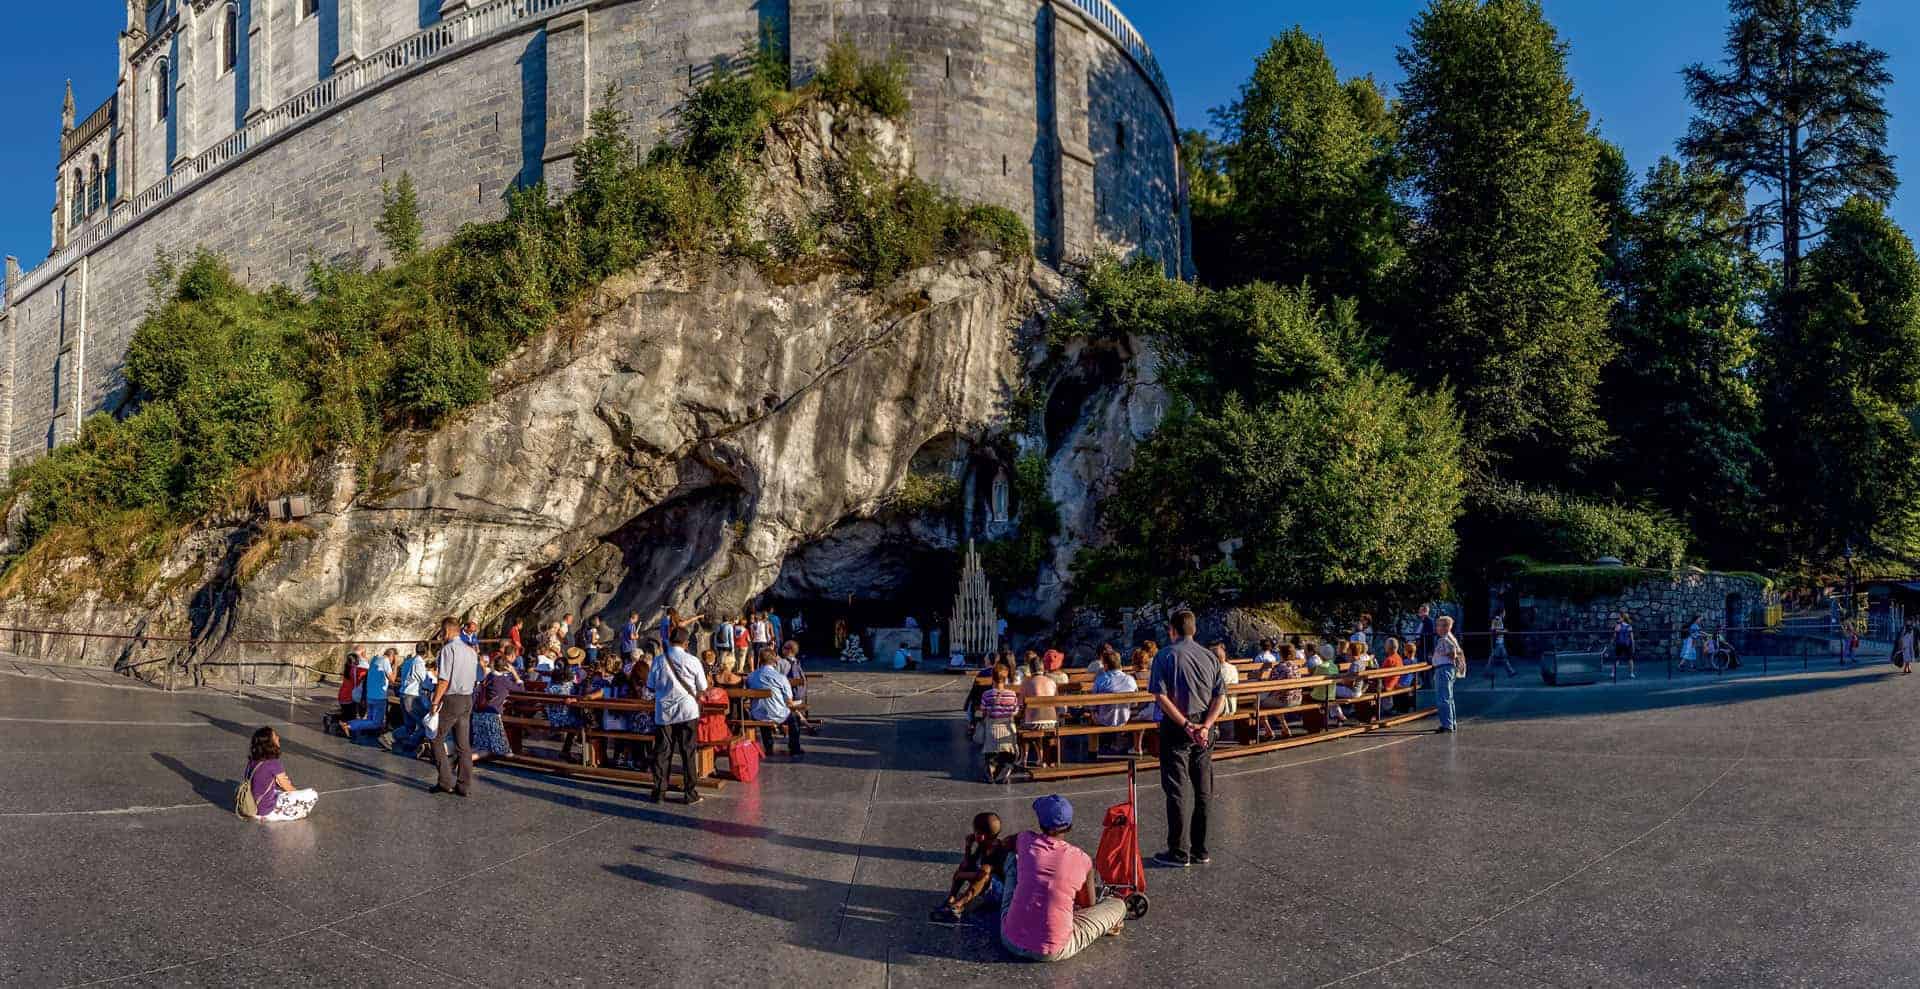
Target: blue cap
<point x="1054" y="811"/>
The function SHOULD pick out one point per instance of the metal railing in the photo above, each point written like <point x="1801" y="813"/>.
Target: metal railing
<point x="1122" y="31"/>
<point x="475" y="24"/>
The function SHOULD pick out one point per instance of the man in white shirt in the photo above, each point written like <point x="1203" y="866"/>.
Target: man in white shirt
<point x="453" y="703"/>
<point x="676" y="680"/>
<point x="777" y="707"/>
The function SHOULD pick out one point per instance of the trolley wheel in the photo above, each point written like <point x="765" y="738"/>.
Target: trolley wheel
<point x="1137" y="905"/>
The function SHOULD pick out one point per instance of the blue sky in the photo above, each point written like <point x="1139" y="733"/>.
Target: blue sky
<point x="1626" y="60"/>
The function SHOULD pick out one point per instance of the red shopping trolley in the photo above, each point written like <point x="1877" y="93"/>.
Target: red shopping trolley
<point x="1117" y="860"/>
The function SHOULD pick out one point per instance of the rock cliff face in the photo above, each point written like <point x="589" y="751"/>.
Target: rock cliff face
<point x="695" y="436"/>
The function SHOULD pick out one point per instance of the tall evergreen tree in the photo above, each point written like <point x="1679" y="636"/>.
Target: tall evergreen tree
<point x="1847" y="381"/>
<point x="1503" y="293"/>
<point x="1797" y="114"/>
<point x="1310" y="161"/>
<point x="1681" y="395"/>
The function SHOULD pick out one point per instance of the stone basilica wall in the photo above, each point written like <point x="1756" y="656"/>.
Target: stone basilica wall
<point x="1032" y="104"/>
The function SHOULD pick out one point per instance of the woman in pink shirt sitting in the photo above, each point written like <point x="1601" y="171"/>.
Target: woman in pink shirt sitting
<point x="1039" y="922"/>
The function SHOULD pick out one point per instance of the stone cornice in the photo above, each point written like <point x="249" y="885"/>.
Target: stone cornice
<point x="152" y="45"/>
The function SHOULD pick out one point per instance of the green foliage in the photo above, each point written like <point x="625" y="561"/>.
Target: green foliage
<point x="399" y="222"/>
<point x="1502" y="279"/>
<point x="1310" y="168"/>
<point x="883" y="225"/>
<point x="1576" y="581"/>
<point x="1338" y="477"/>
<point x="1554" y="526"/>
<point x="878" y="85"/>
<point x="723" y="119"/>
<point x="1682" y="395"/>
<point x="1845" y="367"/>
<point x="933" y="493"/>
<point x="1798" y="114"/>
<point x="1119" y="300"/>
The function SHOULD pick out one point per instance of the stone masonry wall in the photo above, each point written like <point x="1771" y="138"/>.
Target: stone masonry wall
<point x="1660" y="608"/>
<point x="1023" y="103"/>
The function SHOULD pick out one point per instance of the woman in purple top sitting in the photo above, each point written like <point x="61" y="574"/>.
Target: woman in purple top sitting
<point x="274" y="797"/>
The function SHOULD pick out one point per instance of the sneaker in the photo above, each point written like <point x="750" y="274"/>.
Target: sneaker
<point x="694" y="798"/>
<point x="1202" y="858"/>
<point x="1177" y="860"/>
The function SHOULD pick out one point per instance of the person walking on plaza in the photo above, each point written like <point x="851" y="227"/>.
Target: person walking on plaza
<point x="1498" y="626"/>
<point x="1449" y="665"/>
<point x="453" y="704"/>
<point x="676" y="681"/>
<point x="1623" y="645"/>
<point x="1186" y="684"/>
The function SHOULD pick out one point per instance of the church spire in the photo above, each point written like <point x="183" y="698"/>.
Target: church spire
<point x="66" y="111"/>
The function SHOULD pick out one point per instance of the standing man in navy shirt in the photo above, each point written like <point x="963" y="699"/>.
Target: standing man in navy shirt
<point x="1186" y="684"/>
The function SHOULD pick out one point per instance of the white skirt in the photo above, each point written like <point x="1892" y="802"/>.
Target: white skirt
<point x="292" y="805"/>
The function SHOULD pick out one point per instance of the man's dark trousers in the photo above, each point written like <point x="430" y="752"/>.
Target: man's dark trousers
<point x="793" y="735"/>
<point x="1184" y="765"/>
<point x="668" y="739"/>
<point x="456" y="713"/>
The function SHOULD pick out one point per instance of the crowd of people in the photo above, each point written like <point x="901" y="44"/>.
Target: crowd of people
<point x="444" y="700"/>
<point x="1001" y="709"/>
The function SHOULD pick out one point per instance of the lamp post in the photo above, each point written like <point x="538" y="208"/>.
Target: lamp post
<point x="1853" y="587"/>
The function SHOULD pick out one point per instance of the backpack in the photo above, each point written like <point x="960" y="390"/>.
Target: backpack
<point x="244" y="805"/>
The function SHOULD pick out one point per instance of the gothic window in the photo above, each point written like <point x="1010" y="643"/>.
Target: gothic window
<point x="77" y="197"/>
<point x="230" y="38"/>
<point x="94" y="184"/>
<point x="162" y="91"/>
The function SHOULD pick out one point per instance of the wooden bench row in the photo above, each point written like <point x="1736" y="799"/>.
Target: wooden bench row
<point x="1251" y="710"/>
<point x="593" y="738"/>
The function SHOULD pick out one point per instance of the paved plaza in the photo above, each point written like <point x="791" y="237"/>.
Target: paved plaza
<point x="1752" y="831"/>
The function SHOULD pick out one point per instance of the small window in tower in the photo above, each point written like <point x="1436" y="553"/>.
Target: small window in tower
<point x="230" y="38"/>
<point x="162" y="91"/>
<point x="1120" y="137"/>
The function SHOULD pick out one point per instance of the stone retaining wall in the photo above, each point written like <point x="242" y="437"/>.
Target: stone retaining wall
<point x="1030" y="104"/>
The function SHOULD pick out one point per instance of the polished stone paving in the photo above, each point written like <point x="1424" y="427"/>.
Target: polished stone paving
<point x="1753" y="831"/>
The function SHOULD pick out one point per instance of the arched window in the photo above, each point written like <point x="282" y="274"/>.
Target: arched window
<point x="77" y="197"/>
<point x="95" y="184"/>
<point x="162" y="91"/>
<point x="230" y="37"/>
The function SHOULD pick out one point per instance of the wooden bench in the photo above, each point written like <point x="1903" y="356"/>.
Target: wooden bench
<point x="593" y="739"/>
<point x="1250" y="709"/>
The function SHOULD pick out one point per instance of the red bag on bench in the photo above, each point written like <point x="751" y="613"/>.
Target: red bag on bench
<point x="712" y="728"/>
<point x="743" y="757"/>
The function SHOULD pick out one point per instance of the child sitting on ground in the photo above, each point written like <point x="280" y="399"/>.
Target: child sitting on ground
<point x="982" y="863"/>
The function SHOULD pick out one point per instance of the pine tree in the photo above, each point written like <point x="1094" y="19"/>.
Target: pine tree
<point x="1681" y="395"/>
<point x="1309" y="160"/>
<point x="1504" y="299"/>
<point x="1797" y="114"/>
<point x="1847" y="381"/>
